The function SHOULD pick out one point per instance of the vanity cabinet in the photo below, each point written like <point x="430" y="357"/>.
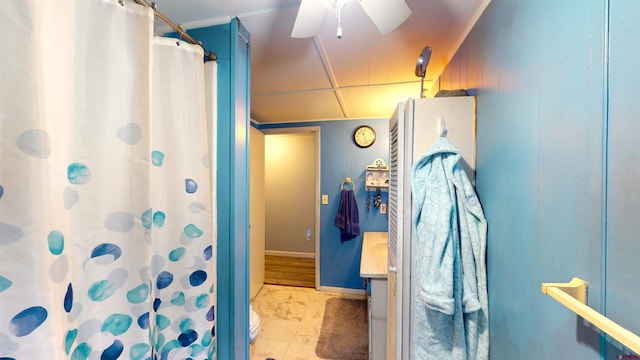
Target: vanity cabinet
<point x="374" y="270"/>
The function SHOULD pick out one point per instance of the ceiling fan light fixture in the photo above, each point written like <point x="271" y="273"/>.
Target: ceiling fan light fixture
<point x="386" y="15"/>
<point x="337" y="4"/>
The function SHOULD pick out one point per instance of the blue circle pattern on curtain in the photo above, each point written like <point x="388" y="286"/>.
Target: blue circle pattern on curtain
<point x="189" y="296"/>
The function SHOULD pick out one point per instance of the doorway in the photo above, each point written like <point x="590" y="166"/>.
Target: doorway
<point x="292" y="199"/>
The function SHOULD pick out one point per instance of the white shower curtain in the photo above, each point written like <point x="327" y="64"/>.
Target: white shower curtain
<point x="106" y="235"/>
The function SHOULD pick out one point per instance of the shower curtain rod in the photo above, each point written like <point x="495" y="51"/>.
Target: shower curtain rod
<point x="210" y="55"/>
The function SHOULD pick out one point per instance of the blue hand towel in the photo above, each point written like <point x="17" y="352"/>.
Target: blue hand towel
<point x="347" y="217"/>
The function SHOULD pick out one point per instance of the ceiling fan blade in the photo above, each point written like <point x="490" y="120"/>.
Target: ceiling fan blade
<point x="386" y="14"/>
<point x="309" y="18"/>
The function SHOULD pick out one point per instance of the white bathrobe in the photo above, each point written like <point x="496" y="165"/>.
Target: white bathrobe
<point x="451" y="305"/>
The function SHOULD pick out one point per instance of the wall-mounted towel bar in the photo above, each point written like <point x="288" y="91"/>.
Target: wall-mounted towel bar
<point x="573" y="295"/>
<point x="348" y="181"/>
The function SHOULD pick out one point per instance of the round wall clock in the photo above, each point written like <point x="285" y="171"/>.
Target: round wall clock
<point x="364" y="136"/>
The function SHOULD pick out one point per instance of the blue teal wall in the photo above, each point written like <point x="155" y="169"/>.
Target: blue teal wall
<point x="622" y="267"/>
<point x="557" y="167"/>
<point x="341" y="158"/>
<point x="230" y="43"/>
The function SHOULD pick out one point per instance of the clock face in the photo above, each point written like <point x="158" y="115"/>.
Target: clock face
<point x="364" y="136"/>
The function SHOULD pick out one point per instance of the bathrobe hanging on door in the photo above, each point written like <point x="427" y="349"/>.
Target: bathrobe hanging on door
<point x="451" y="307"/>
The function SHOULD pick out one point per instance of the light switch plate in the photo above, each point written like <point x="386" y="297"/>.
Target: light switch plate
<point x="325" y="199"/>
<point x="383" y="208"/>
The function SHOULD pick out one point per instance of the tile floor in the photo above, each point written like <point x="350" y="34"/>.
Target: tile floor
<point x="291" y="318"/>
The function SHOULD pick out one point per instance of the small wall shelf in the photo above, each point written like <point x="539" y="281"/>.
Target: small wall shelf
<point x="573" y="295"/>
<point x="377" y="176"/>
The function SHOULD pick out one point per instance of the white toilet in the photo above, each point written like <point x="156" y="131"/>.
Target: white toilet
<point x="254" y="325"/>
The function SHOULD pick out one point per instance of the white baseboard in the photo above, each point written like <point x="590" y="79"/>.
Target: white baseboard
<point x="290" y="254"/>
<point x="340" y="290"/>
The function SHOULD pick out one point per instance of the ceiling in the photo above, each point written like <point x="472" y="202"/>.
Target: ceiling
<point x="359" y="76"/>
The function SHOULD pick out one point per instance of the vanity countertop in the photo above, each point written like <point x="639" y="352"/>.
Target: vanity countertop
<point x="374" y="259"/>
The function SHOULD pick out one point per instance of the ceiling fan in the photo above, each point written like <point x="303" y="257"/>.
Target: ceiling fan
<point x="385" y="14"/>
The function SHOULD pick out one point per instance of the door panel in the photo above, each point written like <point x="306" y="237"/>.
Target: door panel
<point x="290" y="172"/>
<point x="256" y="211"/>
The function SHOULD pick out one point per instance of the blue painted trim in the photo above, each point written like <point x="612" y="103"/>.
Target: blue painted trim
<point x="234" y="313"/>
<point x="605" y="171"/>
<point x="224" y="320"/>
<point x="239" y="188"/>
<point x="233" y="283"/>
<point x="232" y="293"/>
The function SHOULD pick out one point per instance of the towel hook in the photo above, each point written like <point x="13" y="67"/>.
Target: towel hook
<point x="442" y="128"/>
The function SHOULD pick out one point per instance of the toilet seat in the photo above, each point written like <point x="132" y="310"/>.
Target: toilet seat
<point x="254" y="325"/>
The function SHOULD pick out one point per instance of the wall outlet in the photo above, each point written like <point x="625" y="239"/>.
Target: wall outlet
<point x="383" y="208"/>
<point x="325" y="199"/>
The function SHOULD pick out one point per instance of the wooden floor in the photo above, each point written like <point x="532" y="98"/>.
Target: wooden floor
<point x="292" y="271"/>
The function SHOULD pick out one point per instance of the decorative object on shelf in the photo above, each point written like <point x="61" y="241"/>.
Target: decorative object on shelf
<point x="377" y="199"/>
<point x="377" y="181"/>
<point x="364" y="136"/>
<point x="377" y="176"/>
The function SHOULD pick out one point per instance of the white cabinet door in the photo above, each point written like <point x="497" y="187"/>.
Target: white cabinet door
<point x="378" y="319"/>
